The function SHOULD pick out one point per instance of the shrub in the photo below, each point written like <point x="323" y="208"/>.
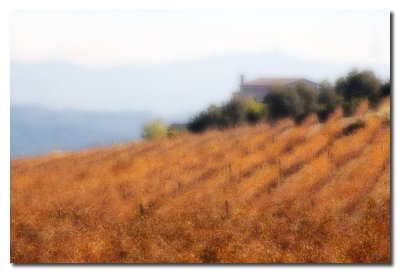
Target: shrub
<point x="154" y="129"/>
<point x="351" y="128"/>
<point x="255" y="111"/>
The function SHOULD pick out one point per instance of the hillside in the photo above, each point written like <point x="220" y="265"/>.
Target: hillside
<point x="279" y="193"/>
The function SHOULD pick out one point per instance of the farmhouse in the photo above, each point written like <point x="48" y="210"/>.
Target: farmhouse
<point x="259" y="88"/>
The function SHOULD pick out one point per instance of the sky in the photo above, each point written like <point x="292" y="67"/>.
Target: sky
<point x="110" y="38"/>
<point x="168" y="61"/>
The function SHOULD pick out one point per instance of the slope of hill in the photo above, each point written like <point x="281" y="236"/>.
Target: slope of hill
<point x="265" y="194"/>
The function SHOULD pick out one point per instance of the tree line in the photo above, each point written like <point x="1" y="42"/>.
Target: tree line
<point x="295" y="101"/>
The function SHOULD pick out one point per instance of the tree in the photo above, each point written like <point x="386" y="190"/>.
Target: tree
<point x="284" y="102"/>
<point x="328" y="99"/>
<point x="349" y="106"/>
<point x="385" y="88"/>
<point x="358" y="85"/>
<point x="308" y="97"/>
<point x="231" y="113"/>
<point x="234" y="112"/>
<point x="211" y="118"/>
<point x="154" y="129"/>
<point x="215" y="116"/>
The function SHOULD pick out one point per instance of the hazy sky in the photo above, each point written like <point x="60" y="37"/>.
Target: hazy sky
<point x="108" y="38"/>
<point x="181" y="61"/>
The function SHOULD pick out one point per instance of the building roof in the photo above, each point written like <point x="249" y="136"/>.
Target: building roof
<point x="273" y="81"/>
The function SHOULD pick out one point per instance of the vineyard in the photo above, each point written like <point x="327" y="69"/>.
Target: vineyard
<point x="269" y="193"/>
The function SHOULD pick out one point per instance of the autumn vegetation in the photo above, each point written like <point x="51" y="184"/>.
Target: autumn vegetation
<point x="269" y="193"/>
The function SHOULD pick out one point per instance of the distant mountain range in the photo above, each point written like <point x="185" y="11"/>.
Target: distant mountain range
<point x="164" y="88"/>
<point x="132" y="95"/>
<point x="36" y="130"/>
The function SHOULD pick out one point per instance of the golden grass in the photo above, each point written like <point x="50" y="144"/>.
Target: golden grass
<point x="253" y="194"/>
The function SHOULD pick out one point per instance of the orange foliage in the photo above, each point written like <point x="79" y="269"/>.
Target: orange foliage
<point x="361" y="109"/>
<point x="349" y="146"/>
<point x="253" y="194"/>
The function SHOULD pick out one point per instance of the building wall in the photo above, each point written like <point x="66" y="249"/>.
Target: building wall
<point x="307" y="83"/>
<point x="259" y="92"/>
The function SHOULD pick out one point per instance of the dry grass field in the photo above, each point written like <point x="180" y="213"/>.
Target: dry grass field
<point x="278" y="193"/>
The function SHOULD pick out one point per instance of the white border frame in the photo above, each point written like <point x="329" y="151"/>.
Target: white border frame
<point x="7" y="5"/>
